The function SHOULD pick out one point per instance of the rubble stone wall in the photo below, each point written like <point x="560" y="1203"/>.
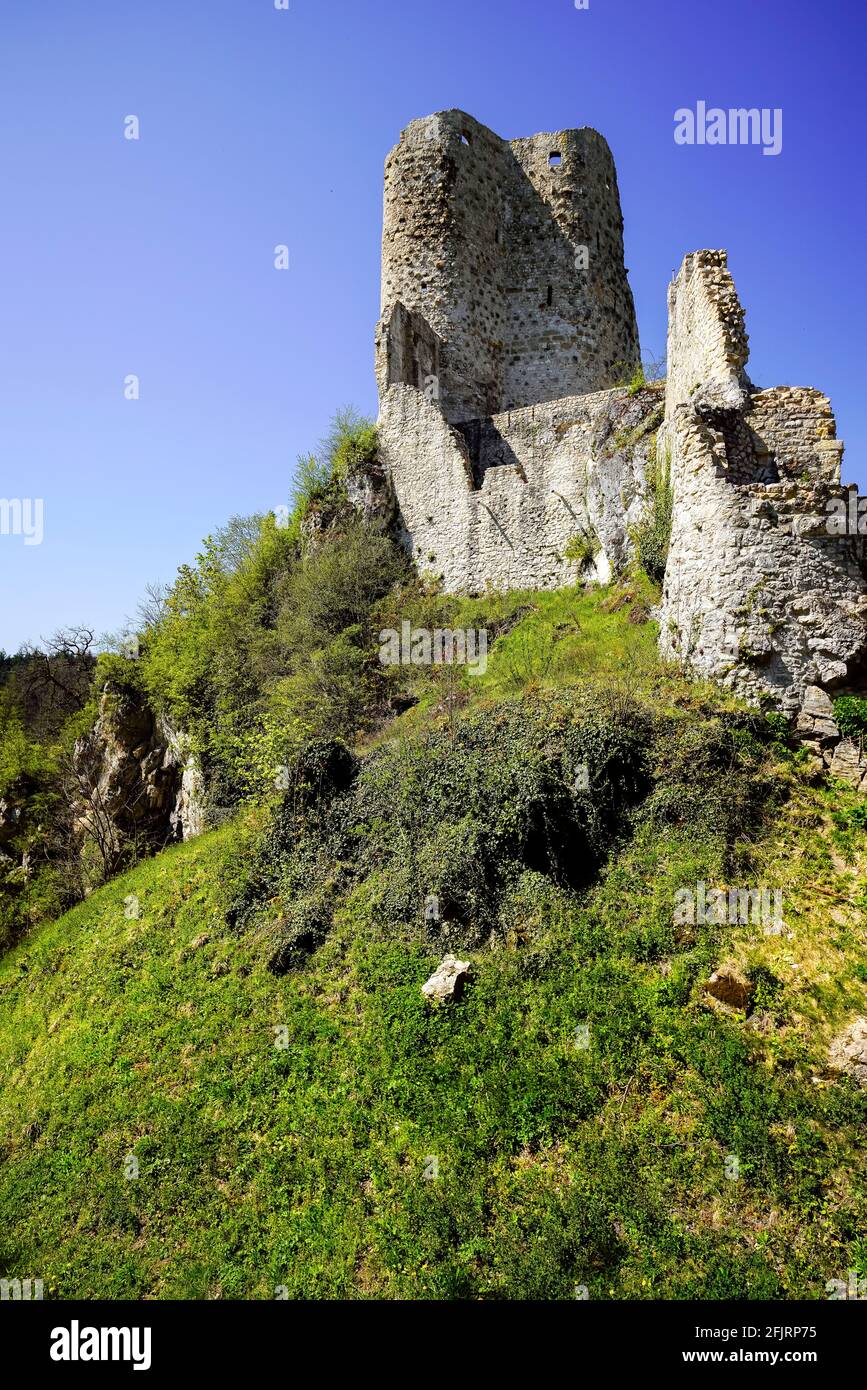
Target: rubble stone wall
<point x="757" y="593"/>
<point x="508" y="441"/>
<point x="496" y="502"/>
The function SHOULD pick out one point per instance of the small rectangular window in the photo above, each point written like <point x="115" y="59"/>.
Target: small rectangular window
<point x="554" y="159"/>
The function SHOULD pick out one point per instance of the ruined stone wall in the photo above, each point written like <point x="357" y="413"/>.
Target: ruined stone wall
<point x="570" y="330"/>
<point x="794" y="431"/>
<point x="440" y="255"/>
<point x="484" y="241"/>
<point x="497" y="501"/>
<point x="707" y="339"/>
<point x="757" y="593"/>
<point x="408" y="352"/>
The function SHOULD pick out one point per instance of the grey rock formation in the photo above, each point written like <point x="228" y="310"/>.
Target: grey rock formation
<point x="138" y="783"/>
<point x="370" y="490"/>
<point x="447" y="981"/>
<point x="849" y="763"/>
<point x="187" y="816"/>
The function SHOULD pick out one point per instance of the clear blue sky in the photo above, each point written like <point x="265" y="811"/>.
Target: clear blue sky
<point x="260" y="127"/>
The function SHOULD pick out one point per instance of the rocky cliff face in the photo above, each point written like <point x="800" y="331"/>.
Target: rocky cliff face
<point x="138" y="784"/>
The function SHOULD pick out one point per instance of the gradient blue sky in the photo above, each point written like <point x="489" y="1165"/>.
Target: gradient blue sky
<point x="260" y="127"/>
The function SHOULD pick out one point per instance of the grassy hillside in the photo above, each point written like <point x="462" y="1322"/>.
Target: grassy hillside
<point x="571" y="1121"/>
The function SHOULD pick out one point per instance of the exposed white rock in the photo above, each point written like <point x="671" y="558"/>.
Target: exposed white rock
<point x="848" y="1051"/>
<point x="447" y="981"/>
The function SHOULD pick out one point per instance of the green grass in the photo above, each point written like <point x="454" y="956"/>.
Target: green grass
<point x="567" y="637"/>
<point x="389" y="1149"/>
<point x="536" y="641"/>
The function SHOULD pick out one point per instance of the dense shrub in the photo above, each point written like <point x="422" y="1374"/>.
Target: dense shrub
<point x="850" y="712"/>
<point x="32" y="823"/>
<point x="462" y="814"/>
<point x="264" y="641"/>
<point x="319" y="485"/>
<point x="335" y="587"/>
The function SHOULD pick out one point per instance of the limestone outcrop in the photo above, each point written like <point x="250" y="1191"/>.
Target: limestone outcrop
<point x="448" y="980"/>
<point x="137" y="784"/>
<point x="848" y="1052"/>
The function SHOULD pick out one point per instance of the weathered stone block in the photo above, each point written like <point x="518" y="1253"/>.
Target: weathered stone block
<point x="849" y="763"/>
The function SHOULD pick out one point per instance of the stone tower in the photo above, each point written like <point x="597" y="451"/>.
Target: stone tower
<point x="503" y="282"/>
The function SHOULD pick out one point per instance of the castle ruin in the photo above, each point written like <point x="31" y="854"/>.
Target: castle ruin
<point x="758" y="593"/>
<point x="502" y="268"/>
<point x="519" y="458"/>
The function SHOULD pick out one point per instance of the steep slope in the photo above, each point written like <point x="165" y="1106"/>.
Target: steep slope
<point x="179" y="1120"/>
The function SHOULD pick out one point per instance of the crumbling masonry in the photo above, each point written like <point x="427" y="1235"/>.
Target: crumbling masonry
<point x="518" y="457"/>
<point x="757" y="593"/>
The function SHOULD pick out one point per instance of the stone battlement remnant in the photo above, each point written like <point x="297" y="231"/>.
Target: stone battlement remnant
<point x="757" y="593"/>
<point x="707" y="339"/>
<point x="516" y="457"/>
